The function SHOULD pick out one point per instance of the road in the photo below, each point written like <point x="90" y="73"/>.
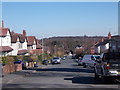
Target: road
<point x="65" y="75"/>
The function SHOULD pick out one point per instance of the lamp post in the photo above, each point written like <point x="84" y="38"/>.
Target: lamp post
<point x="42" y="49"/>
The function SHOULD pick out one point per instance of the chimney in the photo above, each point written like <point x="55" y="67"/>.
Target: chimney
<point x="109" y="35"/>
<point x="37" y="41"/>
<point x="2" y="24"/>
<point x="102" y="39"/>
<point x="24" y="32"/>
<point x="12" y="32"/>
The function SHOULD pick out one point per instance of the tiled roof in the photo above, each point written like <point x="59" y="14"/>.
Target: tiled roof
<point x="22" y="38"/>
<point x="3" y="31"/>
<point x="30" y="40"/>
<point x="22" y="52"/>
<point x="116" y="37"/>
<point x="36" y="51"/>
<point x="38" y="46"/>
<point x="5" y="49"/>
<point x="103" y="43"/>
<point x="15" y="36"/>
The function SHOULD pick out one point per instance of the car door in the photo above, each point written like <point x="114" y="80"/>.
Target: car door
<point x="92" y="61"/>
<point x="88" y="60"/>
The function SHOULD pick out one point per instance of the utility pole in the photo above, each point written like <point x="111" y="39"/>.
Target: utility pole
<point x="42" y="49"/>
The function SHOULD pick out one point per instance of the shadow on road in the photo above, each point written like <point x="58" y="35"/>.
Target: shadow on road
<point x="87" y="80"/>
<point x="64" y="70"/>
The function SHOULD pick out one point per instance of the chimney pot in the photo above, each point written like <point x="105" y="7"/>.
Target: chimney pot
<point x="2" y="24"/>
<point x="24" y="32"/>
<point x="109" y="35"/>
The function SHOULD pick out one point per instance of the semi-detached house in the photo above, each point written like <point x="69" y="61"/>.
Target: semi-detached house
<point x="19" y="43"/>
<point x="5" y="41"/>
<point x="12" y="43"/>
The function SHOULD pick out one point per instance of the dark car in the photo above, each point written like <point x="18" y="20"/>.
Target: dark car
<point x="18" y="61"/>
<point x="45" y="62"/>
<point x="108" y="67"/>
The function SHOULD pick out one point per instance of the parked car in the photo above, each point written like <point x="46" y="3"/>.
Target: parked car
<point x="108" y="67"/>
<point x="89" y="60"/>
<point x="80" y="61"/>
<point x="18" y="61"/>
<point x="56" y="60"/>
<point x="64" y="57"/>
<point x="73" y="57"/>
<point x="45" y="62"/>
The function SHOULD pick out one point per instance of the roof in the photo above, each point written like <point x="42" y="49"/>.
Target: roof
<point x="22" y="38"/>
<point x="38" y="46"/>
<point x="30" y="40"/>
<point x="36" y="51"/>
<point x="15" y="36"/>
<point x="3" y="31"/>
<point x="102" y="43"/>
<point x="22" y="52"/>
<point x="116" y="38"/>
<point x="5" y="49"/>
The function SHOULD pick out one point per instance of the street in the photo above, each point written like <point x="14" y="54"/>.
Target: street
<point x="65" y="75"/>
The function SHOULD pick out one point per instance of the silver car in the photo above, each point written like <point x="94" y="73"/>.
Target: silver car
<point x="56" y="60"/>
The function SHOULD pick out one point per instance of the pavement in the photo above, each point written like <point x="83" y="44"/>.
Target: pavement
<point x="9" y="78"/>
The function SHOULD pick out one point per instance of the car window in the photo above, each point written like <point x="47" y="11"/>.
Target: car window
<point x="97" y="57"/>
<point x="56" y="58"/>
<point x="92" y="58"/>
<point x="111" y="56"/>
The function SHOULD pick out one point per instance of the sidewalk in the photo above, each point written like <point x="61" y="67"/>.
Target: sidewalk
<point x="9" y="78"/>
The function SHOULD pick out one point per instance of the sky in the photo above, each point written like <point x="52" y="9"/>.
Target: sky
<point x="49" y="19"/>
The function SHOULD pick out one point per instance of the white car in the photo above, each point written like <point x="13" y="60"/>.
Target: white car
<point x="56" y="60"/>
<point x="90" y="60"/>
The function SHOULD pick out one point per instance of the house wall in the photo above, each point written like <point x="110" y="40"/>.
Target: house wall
<point x="24" y="45"/>
<point x="29" y="48"/>
<point x="107" y="46"/>
<point x="5" y="41"/>
<point x="15" y="48"/>
<point x="34" y="45"/>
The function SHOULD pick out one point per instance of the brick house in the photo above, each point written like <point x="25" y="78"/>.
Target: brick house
<point x="33" y="46"/>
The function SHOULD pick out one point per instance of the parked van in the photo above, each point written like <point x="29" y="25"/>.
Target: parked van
<point x="89" y="60"/>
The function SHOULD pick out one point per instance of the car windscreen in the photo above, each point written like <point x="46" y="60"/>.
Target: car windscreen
<point x="97" y="57"/>
<point x="56" y="58"/>
<point x="111" y="56"/>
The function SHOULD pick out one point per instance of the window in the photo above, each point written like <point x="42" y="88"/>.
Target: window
<point x="20" y="45"/>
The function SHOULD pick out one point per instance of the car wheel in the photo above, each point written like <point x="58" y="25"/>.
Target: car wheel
<point x="84" y="65"/>
<point x="105" y="80"/>
<point x="96" y="76"/>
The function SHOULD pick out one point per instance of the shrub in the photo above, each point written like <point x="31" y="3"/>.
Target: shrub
<point x="4" y="60"/>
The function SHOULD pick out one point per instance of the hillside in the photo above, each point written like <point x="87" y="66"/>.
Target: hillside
<point x="69" y="43"/>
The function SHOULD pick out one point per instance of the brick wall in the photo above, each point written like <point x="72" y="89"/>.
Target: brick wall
<point x="11" y="68"/>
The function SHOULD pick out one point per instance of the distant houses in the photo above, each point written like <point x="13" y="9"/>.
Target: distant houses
<point x="12" y="43"/>
<point x="112" y="43"/>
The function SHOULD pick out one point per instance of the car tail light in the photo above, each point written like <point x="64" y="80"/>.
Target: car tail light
<point x="108" y="66"/>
